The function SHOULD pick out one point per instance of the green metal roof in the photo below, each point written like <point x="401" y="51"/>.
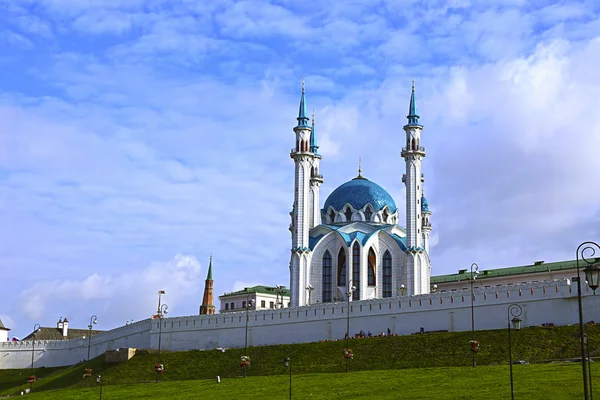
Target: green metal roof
<point x="537" y="267"/>
<point x="209" y="276"/>
<point x="257" y="289"/>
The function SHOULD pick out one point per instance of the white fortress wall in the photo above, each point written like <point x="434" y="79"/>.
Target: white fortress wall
<point x="544" y="302"/>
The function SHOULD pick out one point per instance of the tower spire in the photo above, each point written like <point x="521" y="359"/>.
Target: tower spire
<point x="209" y="276"/>
<point x="302" y="118"/>
<point x="413" y="116"/>
<point x="313" y="136"/>
<point x="207" y="306"/>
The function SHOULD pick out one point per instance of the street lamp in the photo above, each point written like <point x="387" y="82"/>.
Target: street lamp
<point x="288" y="364"/>
<point x="434" y="289"/>
<point x="36" y="329"/>
<point x="161" y="311"/>
<point x="249" y="303"/>
<point x="402" y="289"/>
<point x="472" y="280"/>
<point x="93" y="321"/>
<point x="348" y="294"/>
<point x="515" y="311"/>
<point x="592" y="274"/>
<point x="310" y="288"/>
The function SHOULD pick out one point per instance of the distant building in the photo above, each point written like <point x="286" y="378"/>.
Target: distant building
<point x="537" y="272"/>
<point x="61" y="332"/>
<point x="3" y="332"/>
<point x="260" y="298"/>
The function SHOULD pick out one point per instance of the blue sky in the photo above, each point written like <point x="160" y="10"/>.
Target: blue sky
<point x="138" y="137"/>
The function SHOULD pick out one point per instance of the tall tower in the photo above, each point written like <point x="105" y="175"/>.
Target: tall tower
<point x="417" y="260"/>
<point x="207" y="306"/>
<point x="426" y="227"/>
<point x="305" y="211"/>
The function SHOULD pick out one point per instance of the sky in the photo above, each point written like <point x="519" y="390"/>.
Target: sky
<point x="138" y="137"/>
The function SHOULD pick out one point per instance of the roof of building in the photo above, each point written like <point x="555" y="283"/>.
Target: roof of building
<point x="536" y="267"/>
<point x="258" y="289"/>
<point x="2" y="327"/>
<point x="209" y="276"/>
<point x="359" y="230"/>
<point x="424" y="204"/>
<point x="359" y="192"/>
<point x="54" y="333"/>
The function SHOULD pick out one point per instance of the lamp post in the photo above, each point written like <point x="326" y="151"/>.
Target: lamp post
<point x="288" y="364"/>
<point x="402" y="289"/>
<point x="93" y="321"/>
<point x="592" y="274"/>
<point x="310" y="288"/>
<point x="472" y="280"/>
<point x="515" y="311"/>
<point x="351" y="289"/>
<point x="434" y="289"/>
<point x="161" y="311"/>
<point x="36" y="329"/>
<point x="248" y="306"/>
<point x="99" y="381"/>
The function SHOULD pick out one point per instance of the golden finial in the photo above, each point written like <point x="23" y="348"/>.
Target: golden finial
<point x="413" y="84"/>
<point x="359" y="168"/>
<point x="313" y="118"/>
<point x="302" y="85"/>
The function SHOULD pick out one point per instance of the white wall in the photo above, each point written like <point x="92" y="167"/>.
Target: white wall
<point x="551" y="301"/>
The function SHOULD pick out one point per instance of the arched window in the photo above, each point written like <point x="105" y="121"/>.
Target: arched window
<point x="356" y="271"/>
<point x="368" y="214"/>
<point x="372" y="261"/>
<point x="387" y="274"/>
<point x="385" y="216"/>
<point x="332" y="216"/>
<point x="348" y="214"/>
<point x="327" y="277"/>
<point x="413" y="144"/>
<point x="341" y="275"/>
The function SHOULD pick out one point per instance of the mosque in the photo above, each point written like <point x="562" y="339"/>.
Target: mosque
<point x="354" y="244"/>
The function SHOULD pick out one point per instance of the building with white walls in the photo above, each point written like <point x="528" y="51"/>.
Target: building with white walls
<point x="256" y="298"/>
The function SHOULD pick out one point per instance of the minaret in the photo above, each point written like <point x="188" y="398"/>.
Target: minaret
<point x="316" y="179"/>
<point x="417" y="262"/>
<point x="302" y="215"/>
<point x="207" y="306"/>
<point x="426" y="227"/>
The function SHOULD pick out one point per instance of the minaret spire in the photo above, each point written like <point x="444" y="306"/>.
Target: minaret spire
<point x="413" y="115"/>
<point x="313" y="136"/>
<point x="207" y="306"/>
<point x="302" y="118"/>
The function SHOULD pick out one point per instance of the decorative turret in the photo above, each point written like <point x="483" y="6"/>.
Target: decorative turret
<point x="302" y="118"/>
<point x="207" y="306"/>
<point x="313" y="136"/>
<point x="426" y="224"/>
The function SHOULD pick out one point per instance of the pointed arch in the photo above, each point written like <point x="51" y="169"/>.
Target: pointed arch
<point x="387" y="274"/>
<point x="341" y="268"/>
<point x="326" y="295"/>
<point x="368" y="213"/>
<point x="331" y="216"/>
<point x="348" y="214"/>
<point x="413" y="145"/>
<point x="356" y="270"/>
<point x="371" y="265"/>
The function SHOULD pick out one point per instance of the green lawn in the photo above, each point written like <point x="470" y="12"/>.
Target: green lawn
<point x="540" y="381"/>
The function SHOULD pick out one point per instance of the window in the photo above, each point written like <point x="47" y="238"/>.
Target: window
<point x="341" y="268"/>
<point x="327" y="277"/>
<point x="332" y="216"/>
<point x="348" y="214"/>
<point x="387" y="274"/>
<point x="385" y="215"/>
<point x="372" y="262"/>
<point x="262" y="304"/>
<point x="271" y="305"/>
<point x="244" y="304"/>
<point x="232" y="306"/>
<point x="227" y="306"/>
<point x="368" y="214"/>
<point x="356" y="270"/>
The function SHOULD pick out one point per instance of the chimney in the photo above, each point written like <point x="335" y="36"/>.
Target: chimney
<point x="59" y="325"/>
<point x="65" y="327"/>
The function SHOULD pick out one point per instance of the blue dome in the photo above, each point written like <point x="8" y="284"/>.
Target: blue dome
<point x="358" y="193"/>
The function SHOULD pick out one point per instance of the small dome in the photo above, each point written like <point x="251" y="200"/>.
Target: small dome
<point x="358" y="193"/>
<point x="424" y="204"/>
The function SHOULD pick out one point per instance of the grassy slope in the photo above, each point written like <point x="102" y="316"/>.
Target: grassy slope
<point x="532" y="382"/>
<point x="413" y="351"/>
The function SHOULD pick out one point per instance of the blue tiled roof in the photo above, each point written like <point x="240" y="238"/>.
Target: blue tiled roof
<point x="358" y="193"/>
<point x="357" y="234"/>
<point x="424" y="204"/>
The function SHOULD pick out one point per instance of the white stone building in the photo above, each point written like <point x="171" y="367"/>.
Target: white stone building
<point x="257" y="298"/>
<point x="355" y="239"/>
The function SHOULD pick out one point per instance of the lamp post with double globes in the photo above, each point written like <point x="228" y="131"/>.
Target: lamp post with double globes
<point x="164" y="309"/>
<point x="592" y="274"/>
<point x="351" y="289"/>
<point x="472" y="281"/>
<point x="515" y="311"/>
<point x="36" y="329"/>
<point x="310" y="288"/>
<point x="93" y="321"/>
<point x="402" y="289"/>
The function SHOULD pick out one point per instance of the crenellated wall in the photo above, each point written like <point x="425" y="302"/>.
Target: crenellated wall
<point x="543" y="302"/>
